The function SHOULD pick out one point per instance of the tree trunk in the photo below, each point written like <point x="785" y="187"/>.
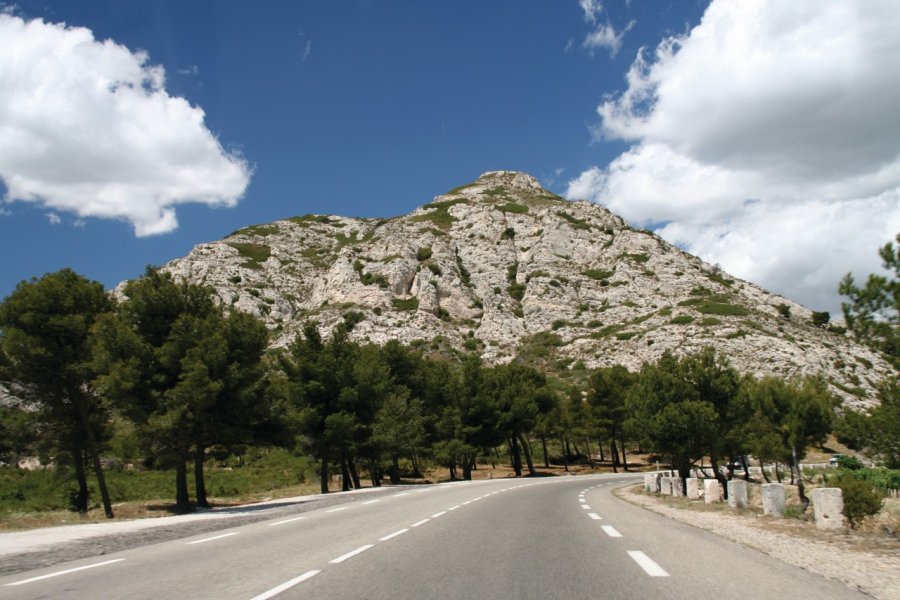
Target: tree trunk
<point x="589" y="457"/>
<point x="528" y="460"/>
<point x="354" y="474"/>
<point x="714" y="461"/>
<point x="746" y="467"/>
<point x="467" y="468"/>
<point x="544" y="448"/>
<point x="600" y="445"/>
<point x="199" y="481"/>
<point x="394" y="471"/>
<point x="762" y="468"/>
<point x="624" y="458"/>
<point x="81" y="499"/>
<point x="415" y="463"/>
<point x="614" y="453"/>
<point x="801" y="491"/>
<point x="374" y="474"/>
<point x="565" y="452"/>
<point x="777" y="474"/>
<point x="323" y="474"/>
<point x="182" y="502"/>
<point x="516" y="458"/>
<point x="345" y="474"/>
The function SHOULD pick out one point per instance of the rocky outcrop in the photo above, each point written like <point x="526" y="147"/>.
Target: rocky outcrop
<point x="505" y="268"/>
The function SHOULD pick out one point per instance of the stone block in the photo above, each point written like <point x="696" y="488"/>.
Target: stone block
<point x="773" y="499"/>
<point x="693" y="488"/>
<point x="665" y="486"/>
<point x="828" y="507"/>
<point x="649" y="482"/>
<point x="712" y="491"/>
<point x="737" y="493"/>
<point x="677" y="489"/>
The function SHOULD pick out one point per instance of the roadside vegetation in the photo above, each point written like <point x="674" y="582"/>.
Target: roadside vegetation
<point x="168" y="394"/>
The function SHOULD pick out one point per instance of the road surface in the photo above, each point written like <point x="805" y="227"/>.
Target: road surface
<point x="542" y="538"/>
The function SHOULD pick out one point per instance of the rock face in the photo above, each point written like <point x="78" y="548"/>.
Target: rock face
<point x="505" y="268"/>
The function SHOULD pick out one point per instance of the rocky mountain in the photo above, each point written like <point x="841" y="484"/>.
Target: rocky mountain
<point x="503" y="267"/>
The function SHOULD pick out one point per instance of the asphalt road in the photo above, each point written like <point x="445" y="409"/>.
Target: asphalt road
<point x="564" y="537"/>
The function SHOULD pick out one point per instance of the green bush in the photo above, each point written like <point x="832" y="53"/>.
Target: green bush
<point x="512" y="207"/>
<point x="682" y="320"/>
<point x="861" y="500"/>
<point x="849" y="462"/>
<point x="598" y="274"/>
<point x="405" y="303"/>
<point x="423" y="254"/>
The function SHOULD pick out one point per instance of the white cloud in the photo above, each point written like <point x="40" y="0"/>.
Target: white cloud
<point x="605" y="36"/>
<point x="768" y="139"/>
<point x="307" y="50"/>
<point x="87" y="127"/>
<point x="591" y="9"/>
<point x="53" y="218"/>
<point x="190" y="70"/>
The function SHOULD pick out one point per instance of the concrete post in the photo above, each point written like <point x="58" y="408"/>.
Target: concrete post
<point x="665" y="486"/>
<point x="828" y="507"/>
<point x="693" y="488"/>
<point x="737" y="493"/>
<point x="676" y="487"/>
<point x="712" y="491"/>
<point x="648" y="485"/>
<point x="773" y="499"/>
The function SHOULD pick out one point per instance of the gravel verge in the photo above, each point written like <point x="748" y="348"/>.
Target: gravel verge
<point x="32" y="549"/>
<point x="876" y="573"/>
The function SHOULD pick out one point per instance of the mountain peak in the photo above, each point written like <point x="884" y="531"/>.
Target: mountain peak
<point x="506" y="269"/>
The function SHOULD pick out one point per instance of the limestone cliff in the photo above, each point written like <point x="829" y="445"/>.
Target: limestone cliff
<point x="503" y="267"/>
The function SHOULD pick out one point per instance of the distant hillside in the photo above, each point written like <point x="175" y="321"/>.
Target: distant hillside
<point x="505" y="268"/>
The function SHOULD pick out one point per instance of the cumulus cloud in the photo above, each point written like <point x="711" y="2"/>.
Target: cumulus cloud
<point x="53" y="218"/>
<point x="766" y="139"/>
<point x="605" y="36"/>
<point x="87" y="127"/>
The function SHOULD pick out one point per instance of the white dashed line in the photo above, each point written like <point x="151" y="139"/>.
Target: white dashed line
<point x="49" y="575"/>
<point x="582" y="500"/>
<point x="647" y="564"/>
<point x="585" y="507"/>
<point x="610" y="531"/>
<point x="422" y="522"/>
<point x="393" y="535"/>
<point x="594" y="516"/>
<point x="286" y="585"/>
<point x="372" y="501"/>
<point x="287" y="521"/>
<point x="466" y="502"/>
<point x="400" y="494"/>
<point x="337" y="509"/>
<point x="216" y="537"/>
<point x="436" y="515"/>
<point x="454" y="507"/>
<point x="351" y="554"/>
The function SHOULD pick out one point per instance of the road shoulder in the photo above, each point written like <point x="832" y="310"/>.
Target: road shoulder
<point x="876" y="573"/>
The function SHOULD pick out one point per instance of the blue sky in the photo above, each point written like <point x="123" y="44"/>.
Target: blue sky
<point x="370" y="108"/>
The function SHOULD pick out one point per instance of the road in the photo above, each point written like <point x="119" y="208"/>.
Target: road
<point x="561" y="537"/>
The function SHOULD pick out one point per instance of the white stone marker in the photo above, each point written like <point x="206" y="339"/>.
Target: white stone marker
<point x="773" y="499"/>
<point x="676" y="486"/>
<point x="665" y="486"/>
<point x="712" y="491"/>
<point x="693" y="488"/>
<point x="737" y="493"/>
<point x="828" y="507"/>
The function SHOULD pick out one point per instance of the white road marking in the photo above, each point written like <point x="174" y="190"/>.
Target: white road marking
<point x="29" y="580"/>
<point x="436" y="515"/>
<point x="217" y="537"/>
<point x="647" y="564"/>
<point x="337" y="509"/>
<point x="393" y="535"/>
<point x="286" y="521"/>
<point x="422" y="522"/>
<point x="582" y="500"/>
<point x="454" y="507"/>
<point x="594" y="516"/>
<point x="475" y="499"/>
<point x="400" y="494"/>
<point x="422" y="491"/>
<point x="585" y="507"/>
<point x="286" y="585"/>
<point x="467" y="502"/>
<point x="610" y="531"/>
<point x="372" y="501"/>
<point x="351" y="554"/>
